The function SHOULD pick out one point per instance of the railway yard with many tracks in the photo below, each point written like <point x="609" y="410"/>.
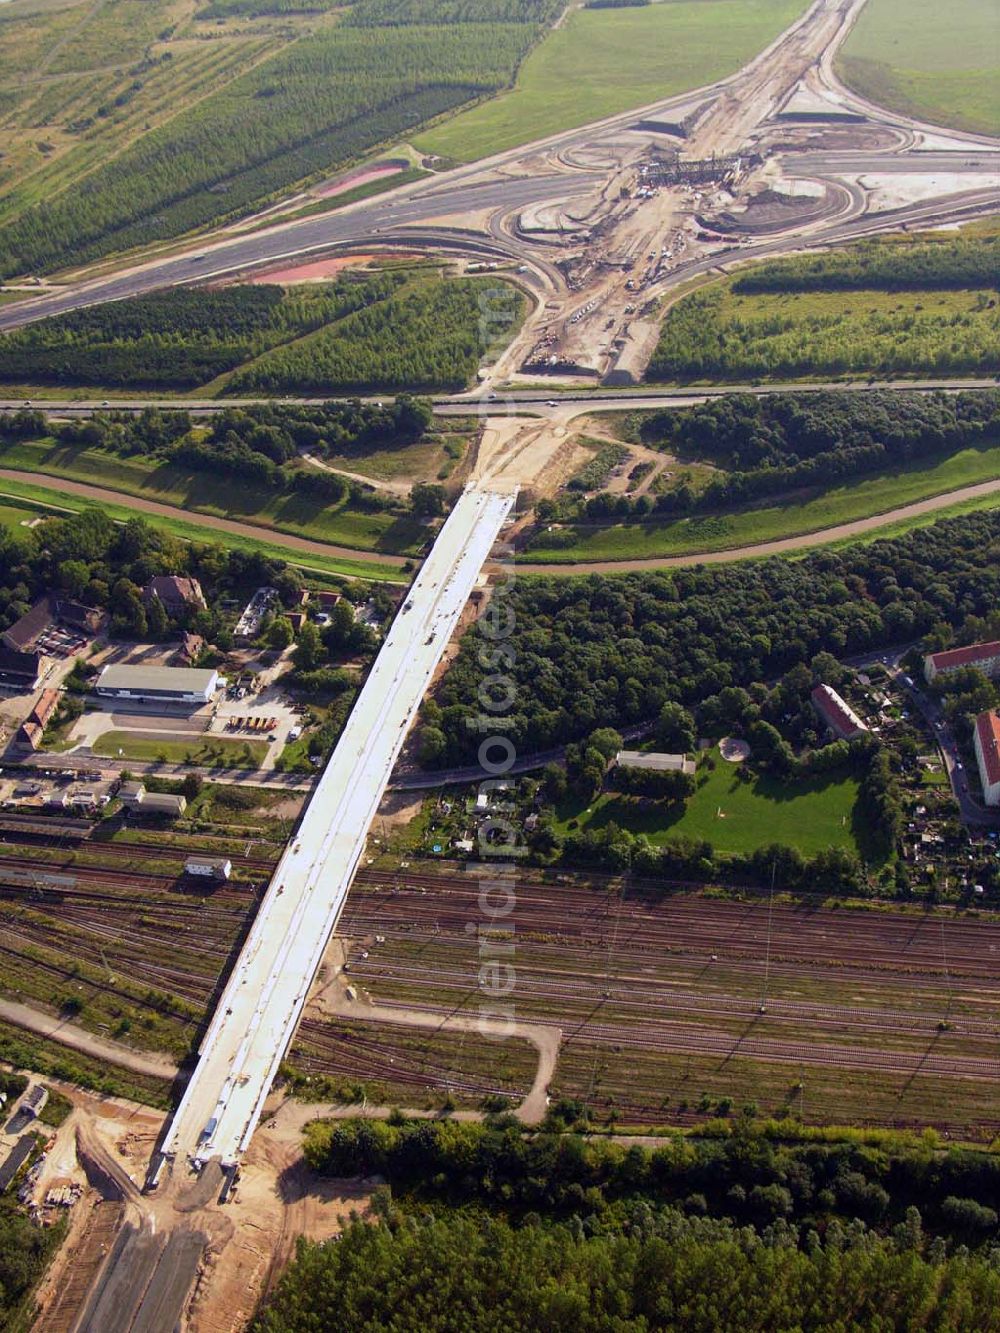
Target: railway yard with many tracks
<point x="662" y="997"/>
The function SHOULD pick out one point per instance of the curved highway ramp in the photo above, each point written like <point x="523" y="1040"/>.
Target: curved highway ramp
<point x="260" y="1007"/>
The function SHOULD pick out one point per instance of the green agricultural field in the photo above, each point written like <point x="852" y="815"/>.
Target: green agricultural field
<point x="703" y="533"/>
<point x="257" y="107"/>
<point x="298" y="514"/>
<point x="717" y="334"/>
<point x="940" y="63"/>
<point x="739" y="816"/>
<point x="316" y="563"/>
<point x="600" y="62"/>
<point x="210" y="751"/>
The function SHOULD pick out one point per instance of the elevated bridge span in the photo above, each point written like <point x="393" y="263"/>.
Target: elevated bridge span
<point x="263" y="999"/>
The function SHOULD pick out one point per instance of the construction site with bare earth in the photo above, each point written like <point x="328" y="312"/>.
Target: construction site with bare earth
<point x="776" y="922"/>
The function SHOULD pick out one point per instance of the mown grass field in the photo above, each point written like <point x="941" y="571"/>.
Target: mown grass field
<point x="939" y="63"/>
<point x="738" y="816"/>
<point x="791" y="517"/>
<point x="200" y="492"/>
<point x="600" y="62"/>
<point x="316" y="564"/>
<point x="17" y="516"/>
<point x="210" y="751"/>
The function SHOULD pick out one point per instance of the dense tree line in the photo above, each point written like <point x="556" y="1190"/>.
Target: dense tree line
<point x="710" y="334"/>
<point x="106" y="565"/>
<point x="225" y="9"/>
<point x="746" y="433"/>
<point x="428" y="338"/>
<point x="806" y="1183"/>
<point x="599" y="651"/>
<point x="449" y="1271"/>
<point x="878" y="266"/>
<point x="178" y="338"/>
<point x="325" y="99"/>
<point x="252" y="443"/>
<point x="781" y="442"/>
<point x="489" y="1227"/>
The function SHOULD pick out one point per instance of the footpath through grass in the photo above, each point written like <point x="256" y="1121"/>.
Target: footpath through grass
<point x="603" y="61"/>
<point x="296" y="513"/>
<point x="704" y="533"/>
<point x="735" y="815"/>
<point x="939" y="63"/>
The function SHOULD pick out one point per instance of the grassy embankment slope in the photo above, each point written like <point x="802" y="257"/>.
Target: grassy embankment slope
<point x="600" y="62"/>
<point x="938" y="63"/>
<point x="703" y="533"/>
<point x="37" y="500"/>
<point x="222" y="497"/>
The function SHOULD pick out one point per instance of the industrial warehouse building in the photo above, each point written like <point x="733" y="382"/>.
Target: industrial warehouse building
<point x="158" y="684"/>
<point x="985" y="657"/>
<point x="986" y="740"/>
<point x="837" y="713"/>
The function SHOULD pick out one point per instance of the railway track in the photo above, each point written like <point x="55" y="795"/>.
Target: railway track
<point x="876" y="938"/>
<point x="123" y="851"/>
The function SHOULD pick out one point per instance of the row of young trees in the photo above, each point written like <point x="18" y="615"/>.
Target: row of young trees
<point x="323" y="100"/>
<point x="899" y="265"/>
<point x="398" y="13"/>
<point x="179" y="338"/>
<point x="705" y="336"/>
<point x="428" y="338"/>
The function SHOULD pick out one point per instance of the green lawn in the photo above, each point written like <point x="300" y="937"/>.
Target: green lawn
<point x="15" y="516"/>
<point x="200" y="492"/>
<point x="720" y="532"/>
<point x="940" y="63"/>
<point x="223" y="497"/>
<point x="600" y="62"/>
<point x="214" y="751"/>
<point x="738" y="816"/>
<point x="53" y="500"/>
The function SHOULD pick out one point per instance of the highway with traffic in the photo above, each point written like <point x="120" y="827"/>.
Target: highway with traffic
<point x="481" y="210"/>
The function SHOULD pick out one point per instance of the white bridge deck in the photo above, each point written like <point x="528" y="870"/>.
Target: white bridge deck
<point x="265" y="994"/>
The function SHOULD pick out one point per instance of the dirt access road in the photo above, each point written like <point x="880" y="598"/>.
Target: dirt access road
<point x="58" y="1029"/>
